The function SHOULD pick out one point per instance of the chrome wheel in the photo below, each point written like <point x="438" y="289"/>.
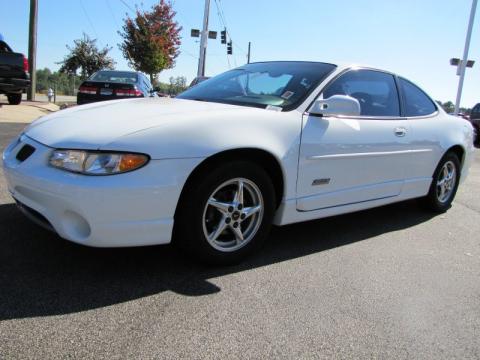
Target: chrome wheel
<point x="446" y="181"/>
<point x="233" y="214"/>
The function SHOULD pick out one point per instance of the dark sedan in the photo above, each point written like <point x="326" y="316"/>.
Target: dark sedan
<point x="475" y="120"/>
<point x="112" y="84"/>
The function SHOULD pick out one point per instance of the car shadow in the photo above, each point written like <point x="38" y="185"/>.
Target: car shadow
<point x="42" y="274"/>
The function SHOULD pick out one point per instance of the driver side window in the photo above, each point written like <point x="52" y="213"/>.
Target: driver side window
<point x="375" y="91"/>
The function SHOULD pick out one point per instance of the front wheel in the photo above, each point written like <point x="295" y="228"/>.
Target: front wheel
<point x="227" y="214"/>
<point x="444" y="184"/>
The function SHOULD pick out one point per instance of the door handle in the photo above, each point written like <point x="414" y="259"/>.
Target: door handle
<point x="400" y="131"/>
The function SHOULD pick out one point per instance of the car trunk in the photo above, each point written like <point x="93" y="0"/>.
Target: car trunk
<point x="108" y="90"/>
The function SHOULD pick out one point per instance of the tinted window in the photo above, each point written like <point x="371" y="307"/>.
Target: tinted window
<point x="115" y="76"/>
<point x="284" y="84"/>
<point x="417" y="103"/>
<point x="476" y="111"/>
<point x="376" y="91"/>
<point x="4" y="47"/>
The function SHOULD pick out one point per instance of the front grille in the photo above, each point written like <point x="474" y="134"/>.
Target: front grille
<point x="25" y="152"/>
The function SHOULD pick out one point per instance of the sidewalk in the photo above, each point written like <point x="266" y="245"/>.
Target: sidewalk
<point x="26" y="112"/>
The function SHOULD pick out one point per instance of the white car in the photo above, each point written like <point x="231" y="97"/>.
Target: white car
<point x="273" y="142"/>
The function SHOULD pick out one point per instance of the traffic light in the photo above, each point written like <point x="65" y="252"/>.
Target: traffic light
<point x="229" y="48"/>
<point x="223" y="36"/>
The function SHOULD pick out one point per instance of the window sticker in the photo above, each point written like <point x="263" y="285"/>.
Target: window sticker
<point x="287" y="95"/>
<point x="273" y="108"/>
<point x="305" y="83"/>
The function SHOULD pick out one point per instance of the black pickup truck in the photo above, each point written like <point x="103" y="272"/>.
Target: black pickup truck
<point x="14" y="76"/>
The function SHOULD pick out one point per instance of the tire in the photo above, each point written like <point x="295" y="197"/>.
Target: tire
<point x="14" y="99"/>
<point x="209" y="205"/>
<point x="435" y="201"/>
<point x="476" y="139"/>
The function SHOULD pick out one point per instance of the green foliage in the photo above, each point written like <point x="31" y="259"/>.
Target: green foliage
<point x="449" y="107"/>
<point x="175" y="85"/>
<point x="86" y="57"/>
<point x="151" y="40"/>
<point x="62" y="83"/>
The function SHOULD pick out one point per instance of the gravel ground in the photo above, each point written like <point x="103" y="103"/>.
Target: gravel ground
<point x="393" y="282"/>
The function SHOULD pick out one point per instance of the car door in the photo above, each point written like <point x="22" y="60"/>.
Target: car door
<point x="345" y="160"/>
<point x="421" y="112"/>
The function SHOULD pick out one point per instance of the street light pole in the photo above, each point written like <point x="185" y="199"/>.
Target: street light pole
<point x="32" y="49"/>
<point x="463" y="64"/>
<point x="203" y="41"/>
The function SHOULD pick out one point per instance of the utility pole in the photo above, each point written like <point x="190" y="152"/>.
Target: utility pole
<point x="248" y="56"/>
<point x="203" y="41"/>
<point x="463" y="64"/>
<point x="32" y="49"/>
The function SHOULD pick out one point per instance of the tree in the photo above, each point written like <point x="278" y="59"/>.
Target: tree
<point x="62" y="83"/>
<point x="448" y="106"/>
<point x="177" y="84"/>
<point x="151" y="41"/>
<point x="85" y="55"/>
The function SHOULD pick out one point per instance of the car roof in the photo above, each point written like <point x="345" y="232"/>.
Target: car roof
<point x="340" y="66"/>
<point x="123" y="71"/>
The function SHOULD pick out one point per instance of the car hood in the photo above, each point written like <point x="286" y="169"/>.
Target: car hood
<point x="96" y="125"/>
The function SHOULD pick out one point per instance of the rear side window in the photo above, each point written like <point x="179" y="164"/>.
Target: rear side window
<point x="375" y="91"/>
<point x="4" y="47"/>
<point x="417" y="103"/>
<point x="476" y="111"/>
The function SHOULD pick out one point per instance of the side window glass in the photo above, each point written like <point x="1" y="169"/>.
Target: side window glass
<point x="417" y="103"/>
<point x="476" y="110"/>
<point x="147" y="82"/>
<point x="376" y="91"/>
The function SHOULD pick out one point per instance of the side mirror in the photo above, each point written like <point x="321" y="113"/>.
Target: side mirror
<point x="336" y="105"/>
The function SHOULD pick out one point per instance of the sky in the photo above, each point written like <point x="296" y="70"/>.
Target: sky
<point x="414" y="38"/>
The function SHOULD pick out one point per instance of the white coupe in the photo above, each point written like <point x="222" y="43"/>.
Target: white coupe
<point x="211" y="170"/>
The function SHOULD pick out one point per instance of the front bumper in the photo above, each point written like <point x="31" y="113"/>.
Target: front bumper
<point x="130" y="209"/>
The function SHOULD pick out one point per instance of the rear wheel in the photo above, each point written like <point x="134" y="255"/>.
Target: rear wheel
<point x="14" y="99"/>
<point x="227" y="214"/>
<point x="476" y="138"/>
<point x="444" y="184"/>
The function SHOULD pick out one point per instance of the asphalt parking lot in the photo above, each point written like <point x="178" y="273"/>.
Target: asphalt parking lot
<point x="393" y="282"/>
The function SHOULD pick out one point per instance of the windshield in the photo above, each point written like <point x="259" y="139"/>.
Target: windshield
<point x="115" y="76"/>
<point x="281" y="84"/>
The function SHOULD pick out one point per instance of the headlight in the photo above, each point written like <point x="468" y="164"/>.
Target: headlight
<point x="96" y="163"/>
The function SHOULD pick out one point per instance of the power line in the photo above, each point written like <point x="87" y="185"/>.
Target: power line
<point x="128" y="6"/>
<point x="188" y="53"/>
<point x="221" y="16"/>
<point x="223" y="20"/>
<point x="88" y="18"/>
<point x="111" y="12"/>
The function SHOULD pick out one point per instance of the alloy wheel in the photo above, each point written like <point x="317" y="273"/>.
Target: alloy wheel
<point x="446" y="181"/>
<point x="233" y="214"/>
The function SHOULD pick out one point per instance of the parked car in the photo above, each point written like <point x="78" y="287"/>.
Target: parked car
<point x="114" y="85"/>
<point x="460" y="114"/>
<point x="198" y="80"/>
<point x="14" y="75"/>
<point x="475" y="120"/>
<point x="273" y="142"/>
